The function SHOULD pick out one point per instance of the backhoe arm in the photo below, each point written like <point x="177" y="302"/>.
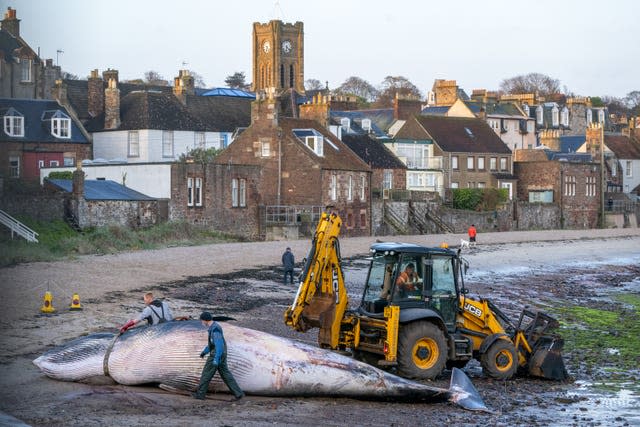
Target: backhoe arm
<point x="321" y="299"/>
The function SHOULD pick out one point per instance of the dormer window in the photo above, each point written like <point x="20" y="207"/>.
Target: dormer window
<point x="525" y="108"/>
<point x="555" y="117"/>
<point x="601" y="116"/>
<point x="589" y="116"/>
<point x="366" y="125"/>
<point x="60" y="123"/>
<point x="345" y="122"/>
<point x="312" y="139"/>
<point x="539" y="115"/>
<point x="13" y="123"/>
<point x="564" y="117"/>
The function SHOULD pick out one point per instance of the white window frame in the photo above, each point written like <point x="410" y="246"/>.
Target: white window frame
<point x="198" y="192"/>
<point x="363" y="186"/>
<point x="345" y="122"/>
<point x="503" y="164"/>
<point x="242" y="190"/>
<point x="315" y="143"/>
<point x="471" y="163"/>
<point x="133" y="143"/>
<point x="350" y="188"/>
<point x="415" y="180"/>
<point x="26" y="74"/>
<point x="190" y="192"/>
<point x="539" y="114"/>
<point x="167" y="143"/>
<point x="454" y="163"/>
<point x="61" y="126"/>
<point x="234" y="192"/>
<point x="40" y="164"/>
<point x="601" y="118"/>
<point x="366" y="124"/>
<point x="628" y="172"/>
<point x="481" y="164"/>
<point x="387" y="179"/>
<point x="14" y="166"/>
<point x="590" y="191"/>
<point x="564" y="117"/>
<point x="333" y="187"/>
<point x="69" y="161"/>
<point x="569" y="185"/>
<point x="493" y="163"/>
<point x="265" y="148"/>
<point x="199" y="140"/>
<point x="555" y="116"/>
<point x="589" y="116"/>
<point x="455" y="185"/>
<point x="14" y="124"/>
<point x="525" y="108"/>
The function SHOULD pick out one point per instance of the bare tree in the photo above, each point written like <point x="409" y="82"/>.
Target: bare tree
<point x="395" y="85"/>
<point x="531" y="83"/>
<point x="198" y="80"/>
<point x="358" y="87"/>
<point x="633" y="101"/>
<point x="313" y="84"/>
<point x="615" y="105"/>
<point x="237" y="81"/>
<point x="152" y="77"/>
<point x="65" y="75"/>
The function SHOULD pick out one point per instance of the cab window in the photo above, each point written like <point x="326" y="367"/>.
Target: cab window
<point x="443" y="281"/>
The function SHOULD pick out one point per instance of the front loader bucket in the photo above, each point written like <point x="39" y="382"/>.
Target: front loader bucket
<point x="546" y="360"/>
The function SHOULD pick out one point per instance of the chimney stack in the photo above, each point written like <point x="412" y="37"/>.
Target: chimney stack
<point x="112" y="104"/>
<point x="183" y="85"/>
<point x="404" y="108"/>
<point x="317" y="109"/>
<point x="59" y="92"/>
<point x="95" y="95"/>
<point x="265" y="109"/>
<point x="10" y="23"/>
<point x="78" y="181"/>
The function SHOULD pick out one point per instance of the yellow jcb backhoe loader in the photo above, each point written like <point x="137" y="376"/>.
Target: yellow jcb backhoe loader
<point x="417" y="320"/>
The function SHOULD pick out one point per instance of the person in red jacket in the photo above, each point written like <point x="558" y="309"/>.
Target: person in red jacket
<point x="472" y="235"/>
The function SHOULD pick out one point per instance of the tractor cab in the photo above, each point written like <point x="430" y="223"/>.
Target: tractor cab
<point x="412" y="277"/>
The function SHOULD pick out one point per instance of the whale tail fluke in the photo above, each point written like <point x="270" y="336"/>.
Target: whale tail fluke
<point x="463" y="392"/>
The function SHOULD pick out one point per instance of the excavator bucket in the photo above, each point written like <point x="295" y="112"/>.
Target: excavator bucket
<point x="546" y="360"/>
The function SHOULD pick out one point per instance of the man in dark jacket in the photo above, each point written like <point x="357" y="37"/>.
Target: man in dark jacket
<point x="156" y="311"/>
<point x="217" y="361"/>
<point x="288" y="262"/>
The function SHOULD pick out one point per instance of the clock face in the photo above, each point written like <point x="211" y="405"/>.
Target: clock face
<point x="266" y="46"/>
<point x="286" y="46"/>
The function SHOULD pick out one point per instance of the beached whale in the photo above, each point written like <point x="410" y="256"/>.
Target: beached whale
<point x="262" y="364"/>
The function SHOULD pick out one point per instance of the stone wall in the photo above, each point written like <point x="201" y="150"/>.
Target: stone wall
<point x="37" y="206"/>
<point x="125" y="213"/>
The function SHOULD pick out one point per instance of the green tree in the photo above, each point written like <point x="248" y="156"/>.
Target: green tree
<point x="237" y="81"/>
<point x="200" y="155"/>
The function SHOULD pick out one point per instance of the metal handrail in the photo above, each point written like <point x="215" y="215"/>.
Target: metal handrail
<point x="17" y="227"/>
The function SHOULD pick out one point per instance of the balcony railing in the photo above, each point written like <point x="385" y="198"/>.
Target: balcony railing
<point x="435" y="162"/>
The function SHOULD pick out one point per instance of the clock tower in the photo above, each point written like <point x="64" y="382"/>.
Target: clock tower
<point x="278" y="56"/>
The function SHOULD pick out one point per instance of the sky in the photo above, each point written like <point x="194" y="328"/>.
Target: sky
<point x="592" y="47"/>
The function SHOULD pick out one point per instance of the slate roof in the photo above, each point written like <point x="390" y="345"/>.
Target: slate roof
<point x="622" y="146"/>
<point x="372" y="152"/>
<point x="435" y="111"/>
<point x="571" y="143"/>
<point x="461" y="134"/>
<point x="342" y="158"/>
<point x="162" y="111"/>
<point x="381" y="119"/>
<point x="35" y="129"/>
<point x="102" y="190"/>
<point x="8" y="44"/>
<point x="569" y="157"/>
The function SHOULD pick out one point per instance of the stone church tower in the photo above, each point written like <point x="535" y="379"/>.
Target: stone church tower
<point x="278" y="56"/>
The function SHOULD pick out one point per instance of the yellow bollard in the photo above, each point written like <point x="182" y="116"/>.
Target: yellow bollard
<point x="75" y="303"/>
<point x="444" y="245"/>
<point x="47" y="305"/>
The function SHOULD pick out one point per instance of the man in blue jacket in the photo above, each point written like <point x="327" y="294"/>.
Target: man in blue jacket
<point x="217" y="360"/>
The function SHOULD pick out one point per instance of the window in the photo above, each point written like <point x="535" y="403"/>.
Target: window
<point x="291" y="76"/>
<point x="503" y="163"/>
<point x="197" y="196"/>
<point x="363" y="218"/>
<point x="470" y="163"/>
<point x="189" y="191"/>
<point x="555" y="121"/>
<point x="454" y="162"/>
<point x="415" y="155"/>
<point x="543" y="196"/>
<point x="481" y="163"/>
<point x="455" y="185"/>
<point x="482" y="185"/>
<point x="564" y="117"/>
<point x="363" y="186"/>
<point x="265" y="148"/>
<point x="40" y="164"/>
<point x="199" y="139"/>
<point x="471" y="184"/>
<point x="387" y="179"/>
<point x="569" y="185"/>
<point x="69" y="161"/>
<point x="614" y="168"/>
<point x="238" y="192"/>
<point x="539" y="114"/>
<point x="14" y="166"/>
<point x="493" y="163"/>
<point x="530" y="126"/>
<point x="134" y="143"/>
<point x="366" y="124"/>
<point x="600" y="116"/>
<point x="628" y="172"/>
<point x="334" y="187"/>
<point x="415" y="180"/>
<point x="13" y="123"/>
<point x="591" y="186"/>
<point x="525" y="108"/>
<point x="60" y="125"/>
<point x="167" y="143"/>
<point x="315" y="143"/>
<point x="350" y="188"/>
<point x="589" y="116"/>
<point x="54" y="163"/>
<point x="345" y="122"/>
<point x="25" y="70"/>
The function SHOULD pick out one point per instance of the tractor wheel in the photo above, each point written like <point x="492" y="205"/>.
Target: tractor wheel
<point x="500" y="360"/>
<point x="422" y="350"/>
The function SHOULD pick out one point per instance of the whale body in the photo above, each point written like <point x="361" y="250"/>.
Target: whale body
<point x="262" y="364"/>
